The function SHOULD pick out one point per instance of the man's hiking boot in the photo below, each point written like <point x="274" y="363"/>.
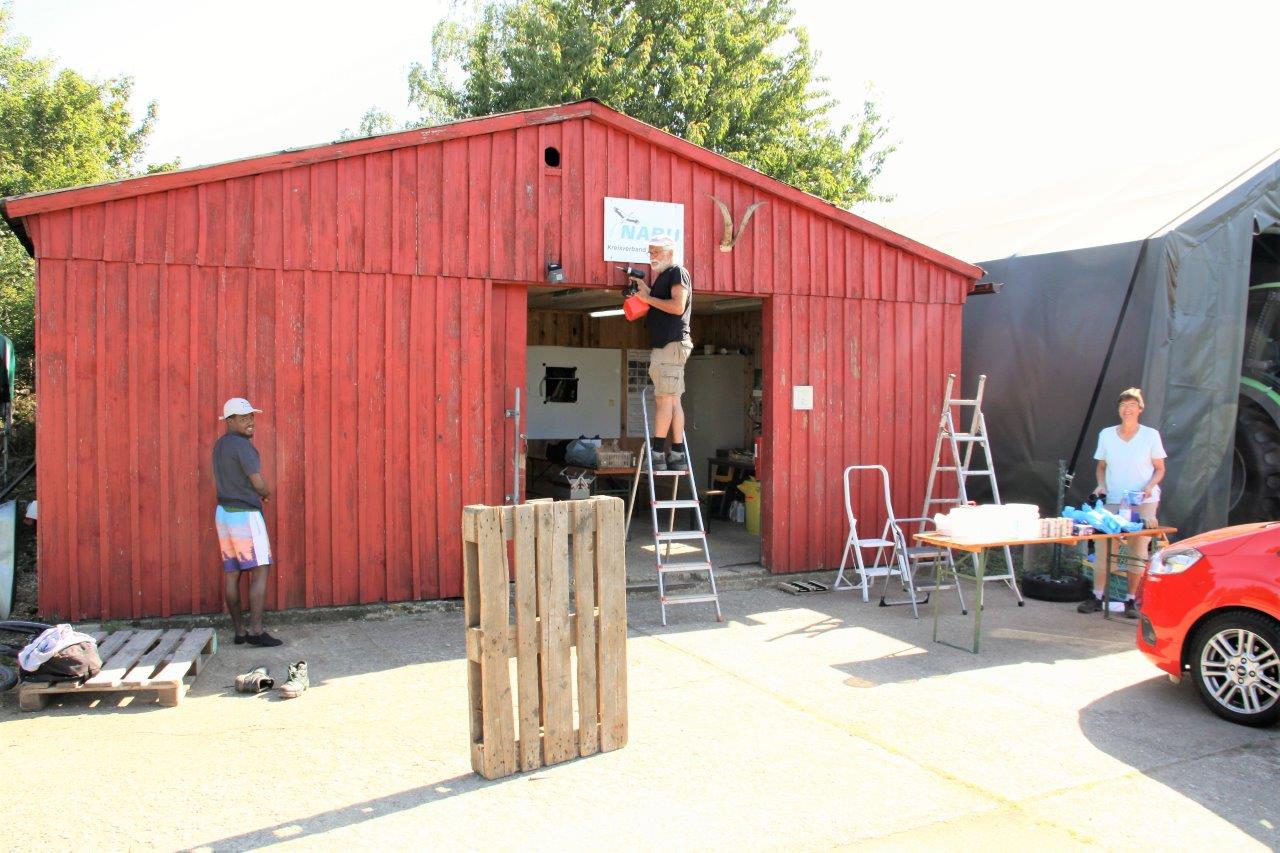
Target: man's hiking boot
<point x="677" y="461"/>
<point x="1091" y="605"/>
<point x="1130" y="609"/>
<point x="254" y="681"/>
<point x="298" y="681"/>
<point x="658" y="459"/>
<point x="264" y="639"/>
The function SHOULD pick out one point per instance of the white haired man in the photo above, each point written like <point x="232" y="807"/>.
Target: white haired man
<point x="672" y="295"/>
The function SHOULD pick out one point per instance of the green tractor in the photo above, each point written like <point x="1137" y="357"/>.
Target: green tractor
<point x="1255" y="469"/>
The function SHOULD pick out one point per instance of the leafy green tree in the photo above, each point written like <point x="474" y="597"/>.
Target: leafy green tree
<point x="731" y="75"/>
<point x="57" y="129"/>
<point x="373" y="122"/>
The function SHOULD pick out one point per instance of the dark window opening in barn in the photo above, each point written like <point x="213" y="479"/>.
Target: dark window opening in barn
<point x="560" y="385"/>
<point x="551" y="156"/>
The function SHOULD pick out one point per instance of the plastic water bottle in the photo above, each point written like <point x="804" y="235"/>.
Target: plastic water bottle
<point x="1126" y="508"/>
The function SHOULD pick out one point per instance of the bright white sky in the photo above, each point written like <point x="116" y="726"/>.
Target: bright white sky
<point x="983" y="99"/>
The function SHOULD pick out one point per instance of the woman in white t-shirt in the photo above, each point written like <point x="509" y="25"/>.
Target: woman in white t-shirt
<point x="1130" y="459"/>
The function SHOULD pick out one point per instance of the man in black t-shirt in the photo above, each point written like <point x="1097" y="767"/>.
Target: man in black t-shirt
<point x="672" y="297"/>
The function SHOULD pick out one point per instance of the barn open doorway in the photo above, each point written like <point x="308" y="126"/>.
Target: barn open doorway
<point x="586" y="371"/>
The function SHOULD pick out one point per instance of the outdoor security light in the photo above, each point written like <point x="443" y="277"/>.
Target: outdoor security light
<point x="555" y="274"/>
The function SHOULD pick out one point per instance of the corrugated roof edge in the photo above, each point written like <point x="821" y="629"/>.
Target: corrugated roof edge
<point x="14" y="208"/>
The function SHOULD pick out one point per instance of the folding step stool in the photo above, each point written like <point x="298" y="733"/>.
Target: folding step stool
<point x="890" y="540"/>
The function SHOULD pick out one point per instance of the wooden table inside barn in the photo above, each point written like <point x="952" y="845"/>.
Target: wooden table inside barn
<point x="546" y="468"/>
<point x="979" y="551"/>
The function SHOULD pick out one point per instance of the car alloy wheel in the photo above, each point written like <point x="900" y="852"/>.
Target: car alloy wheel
<point x="1237" y="668"/>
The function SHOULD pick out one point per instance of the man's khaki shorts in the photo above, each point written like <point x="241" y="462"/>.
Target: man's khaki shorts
<point x="666" y="368"/>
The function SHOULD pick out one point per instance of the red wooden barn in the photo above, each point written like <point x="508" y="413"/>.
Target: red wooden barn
<point x="373" y="297"/>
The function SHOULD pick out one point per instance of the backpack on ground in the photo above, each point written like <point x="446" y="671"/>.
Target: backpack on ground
<point x="61" y="654"/>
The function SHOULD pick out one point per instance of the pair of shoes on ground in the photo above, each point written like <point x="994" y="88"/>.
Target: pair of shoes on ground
<point x="672" y="460"/>
<point x="1094" y="605"/>
<point x="264" y="640"/>
<point x="258" y="680"/>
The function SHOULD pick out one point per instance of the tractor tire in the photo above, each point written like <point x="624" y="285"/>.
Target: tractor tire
<point x="1256" y="467"/>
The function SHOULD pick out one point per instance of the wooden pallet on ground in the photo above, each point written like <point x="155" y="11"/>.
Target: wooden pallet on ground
<point x="135" y="662"/>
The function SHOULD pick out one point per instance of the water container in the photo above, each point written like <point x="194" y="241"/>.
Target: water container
<point x="750" y="489"/>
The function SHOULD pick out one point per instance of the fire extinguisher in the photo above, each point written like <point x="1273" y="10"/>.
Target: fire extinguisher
<point x="632" y="305"/>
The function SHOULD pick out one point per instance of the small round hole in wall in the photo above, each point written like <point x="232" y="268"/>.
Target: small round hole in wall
<point x="551" y="156"/>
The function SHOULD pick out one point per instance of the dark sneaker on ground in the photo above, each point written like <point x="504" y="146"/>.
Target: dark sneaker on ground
<point x="1092" y="605"/>
<point x="298" y="681"/>
<point x="659" y="460"/>
<point x="263" y="639"/>
<point x="254" y="681"/>
<point x="1130" y="610"/>
<point x="677" y="461"/>
<point x="241" y="639"/>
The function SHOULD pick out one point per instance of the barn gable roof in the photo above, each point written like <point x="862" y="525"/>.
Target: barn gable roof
<point x="15" y="208"/>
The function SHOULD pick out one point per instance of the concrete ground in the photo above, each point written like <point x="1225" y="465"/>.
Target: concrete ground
<point x="735" y="552"/>
<point x="798" y="723"/>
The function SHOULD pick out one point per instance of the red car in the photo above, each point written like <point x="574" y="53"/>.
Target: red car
<point x="1210" y="605"/>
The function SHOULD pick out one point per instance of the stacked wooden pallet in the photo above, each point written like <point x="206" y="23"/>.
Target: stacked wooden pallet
<point x="135" y="662"/>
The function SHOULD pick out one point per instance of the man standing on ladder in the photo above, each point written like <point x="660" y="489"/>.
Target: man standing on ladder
<point x="672" y="295"/>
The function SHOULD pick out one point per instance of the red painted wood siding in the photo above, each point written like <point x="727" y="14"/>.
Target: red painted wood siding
<point x="383" y="417"/>
<point x="485" y="207"/>
<point x="353" y="300"/>
<point x="878" y="371"/>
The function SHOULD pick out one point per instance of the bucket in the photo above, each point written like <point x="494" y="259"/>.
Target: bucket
<point x="750" y="489"/>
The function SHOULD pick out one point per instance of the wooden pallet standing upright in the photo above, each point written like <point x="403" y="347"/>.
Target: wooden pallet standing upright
<point x="545" y="632"/>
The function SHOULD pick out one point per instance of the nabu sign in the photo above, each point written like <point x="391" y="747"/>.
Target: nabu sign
<point x="629" y="225"/>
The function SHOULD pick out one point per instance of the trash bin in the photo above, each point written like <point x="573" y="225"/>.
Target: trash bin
<point x="750" y="489"/>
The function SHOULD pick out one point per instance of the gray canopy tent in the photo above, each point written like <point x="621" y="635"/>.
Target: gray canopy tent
<point x="1163" y="263"/>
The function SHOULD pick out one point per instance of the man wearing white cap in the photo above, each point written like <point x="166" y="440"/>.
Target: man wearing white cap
<point x="242" y="532"/>
<point x="672" y="295"/>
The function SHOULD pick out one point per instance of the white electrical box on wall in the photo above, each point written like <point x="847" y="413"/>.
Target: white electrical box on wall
<point x="802" y="397"/>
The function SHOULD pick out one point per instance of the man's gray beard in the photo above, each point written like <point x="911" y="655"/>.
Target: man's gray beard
<point x="660" y="267"/>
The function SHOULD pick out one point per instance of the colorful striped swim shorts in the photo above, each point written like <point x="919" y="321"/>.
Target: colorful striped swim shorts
<point x="242" y="535"/>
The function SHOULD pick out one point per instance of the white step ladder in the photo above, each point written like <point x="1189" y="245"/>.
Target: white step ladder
<point x="890" y="547"/>
<point x="662" y="539"/>
<point x="961" y="465"/>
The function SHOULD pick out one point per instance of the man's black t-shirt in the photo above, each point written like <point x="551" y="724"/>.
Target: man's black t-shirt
<point x="663" y="327"/>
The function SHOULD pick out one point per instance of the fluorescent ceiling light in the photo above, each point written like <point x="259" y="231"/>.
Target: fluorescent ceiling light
<point x="607" y="312"/>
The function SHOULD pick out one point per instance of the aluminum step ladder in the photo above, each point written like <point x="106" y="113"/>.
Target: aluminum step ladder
<point x="890" y="548"/>
<point x="975" y="438"/>
<point x="662" y="539"/>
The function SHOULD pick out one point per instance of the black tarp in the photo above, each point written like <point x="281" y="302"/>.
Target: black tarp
<point x="1042" y="341"/>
